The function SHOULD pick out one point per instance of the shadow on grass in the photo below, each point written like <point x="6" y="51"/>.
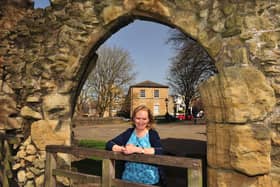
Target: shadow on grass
<point x="88" y="166"/>
<point x="94" y="167"/>
<point x="184" y="148"/>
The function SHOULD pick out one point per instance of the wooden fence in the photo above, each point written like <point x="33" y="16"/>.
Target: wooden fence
<point x="6" y="158"/>
<point x="108" y="179"/>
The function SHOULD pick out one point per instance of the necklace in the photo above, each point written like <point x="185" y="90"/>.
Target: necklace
<point x="139" y="144"/>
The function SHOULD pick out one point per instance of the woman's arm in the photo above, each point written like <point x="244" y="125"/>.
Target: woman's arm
<point x="155" y="142"/>
<point x="117" y="143"/>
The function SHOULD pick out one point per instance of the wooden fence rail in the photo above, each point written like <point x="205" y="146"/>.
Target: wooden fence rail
<point x="108" y="179"/>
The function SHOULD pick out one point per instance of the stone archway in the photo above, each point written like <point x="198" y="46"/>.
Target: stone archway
<point x="46" y="56"/>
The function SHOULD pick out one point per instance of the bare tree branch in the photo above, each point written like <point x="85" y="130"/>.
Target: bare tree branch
<point x="189" y="67"/>
<point x="110" y="78"/>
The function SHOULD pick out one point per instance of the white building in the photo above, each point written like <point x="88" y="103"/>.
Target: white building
<point x="179" y="104"/>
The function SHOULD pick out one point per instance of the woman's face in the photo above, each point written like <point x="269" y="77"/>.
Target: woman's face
<point x="141" y="119"/>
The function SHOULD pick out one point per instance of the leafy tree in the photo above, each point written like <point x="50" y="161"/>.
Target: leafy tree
<point x="109" y="80"/>
<point x="189" y="67"/>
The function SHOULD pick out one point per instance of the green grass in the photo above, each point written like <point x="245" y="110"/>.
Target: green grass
<point x="98" y="144"/>
<point x="93" y="165"/>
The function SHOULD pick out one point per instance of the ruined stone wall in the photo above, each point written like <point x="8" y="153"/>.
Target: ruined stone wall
<point x="47" y="54"/>
<point x="243" y="136"/>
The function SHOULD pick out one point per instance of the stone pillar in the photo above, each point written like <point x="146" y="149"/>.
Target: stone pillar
<point x="237" y="101"/>
<point x="52" y="127"/>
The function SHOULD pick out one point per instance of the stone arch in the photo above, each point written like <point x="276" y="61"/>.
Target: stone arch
<point x="52" y="51"/>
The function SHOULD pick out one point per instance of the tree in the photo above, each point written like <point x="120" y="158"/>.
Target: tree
<point x="84" y="99"/>
<point x="189" y="67"/>
<point x="110" y="79"/>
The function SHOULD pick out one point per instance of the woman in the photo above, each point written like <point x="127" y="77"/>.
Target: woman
<point x="141" y="139"/>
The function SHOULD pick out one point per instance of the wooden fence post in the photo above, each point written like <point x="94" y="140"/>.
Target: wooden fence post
<point x="108" y="172"/>
<point x="7" y="171"/>
<point x="50" y="180"/>
<point x="1" y="158"/>
<point x="194" y="177"/>
<point x="4" y="164"/>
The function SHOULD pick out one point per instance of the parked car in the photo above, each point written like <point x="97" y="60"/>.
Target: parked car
<point x="181" y="117"/>
<point x="190" y="117"/>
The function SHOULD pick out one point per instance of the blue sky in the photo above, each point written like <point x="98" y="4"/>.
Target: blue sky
<point x="146" y="43"/>
<point x="41" y="3"/>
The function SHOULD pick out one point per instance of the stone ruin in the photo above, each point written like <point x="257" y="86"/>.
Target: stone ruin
<point x="47" y="54"/>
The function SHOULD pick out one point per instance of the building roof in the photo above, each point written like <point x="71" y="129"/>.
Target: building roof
<point x="148" y="84"/>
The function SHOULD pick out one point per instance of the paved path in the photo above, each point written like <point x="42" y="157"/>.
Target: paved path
<point x="170" y="130"/>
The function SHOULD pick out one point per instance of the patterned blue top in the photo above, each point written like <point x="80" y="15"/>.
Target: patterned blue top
<point x="139" y="172"/>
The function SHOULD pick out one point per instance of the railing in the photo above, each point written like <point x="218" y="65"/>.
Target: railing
<point x="108" y="166"/>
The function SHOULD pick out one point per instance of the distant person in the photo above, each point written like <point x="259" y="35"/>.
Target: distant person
<point x="142" y="138"/>
<point x="194" y="113"/>
<point x="189" y="113"/>
<point x="200" y="114"/>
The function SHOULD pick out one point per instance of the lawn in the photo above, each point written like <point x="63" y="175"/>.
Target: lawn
<point x="93" y="165"/>
<point x="98" y="144"/>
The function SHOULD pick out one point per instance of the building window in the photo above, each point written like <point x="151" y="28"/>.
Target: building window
<point x="156" y="110"/>
<point x="142" y="93"/>
<point x="156" y="93"/>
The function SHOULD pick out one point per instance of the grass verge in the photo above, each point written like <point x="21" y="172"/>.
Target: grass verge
<point x="93" y="165"/>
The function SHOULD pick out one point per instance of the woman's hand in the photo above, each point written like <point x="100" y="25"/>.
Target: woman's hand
<point x="130" y="149"/>
<point x="117" y="148"/>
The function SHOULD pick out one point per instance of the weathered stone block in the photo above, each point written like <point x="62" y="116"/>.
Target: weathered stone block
<point x="218" y="143"/>
<point x="222" y="178"/>
<point x="7" y="110"/>
<point x="275" y="139"/>
<point x="245" y="148"/>
<point x="28" y="112"/>
<point x="56" y="105"/>
<point x="30" y="149"/>
<point x="21" y="176"/>
<point x="214" y="45"/>
<point x="33" y="99"/>
<point x="187" y="20"/>
<point x="43" y="133"/>
<point x="228" y="8"/>
<point x="111" y="13"/>
<point x="58" y="3"/>
<point x="237" y="95"/>
<point x="250" y="149"/>
<point x="40" y="180"/>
